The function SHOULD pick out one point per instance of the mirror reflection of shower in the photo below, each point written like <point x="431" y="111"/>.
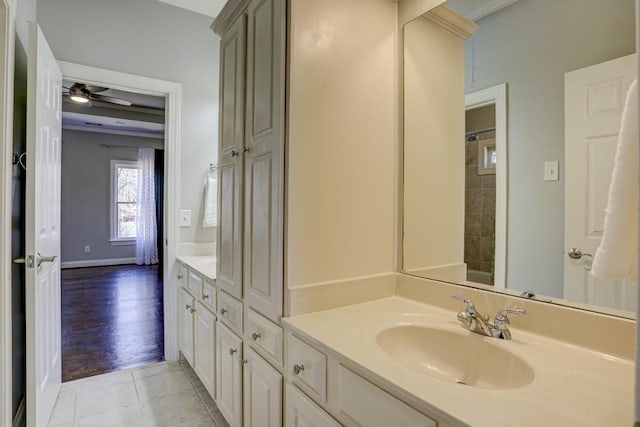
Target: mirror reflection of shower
<point x="480" y="194"/>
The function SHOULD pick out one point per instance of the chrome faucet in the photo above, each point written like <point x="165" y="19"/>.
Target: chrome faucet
<point x="473" y="321"/>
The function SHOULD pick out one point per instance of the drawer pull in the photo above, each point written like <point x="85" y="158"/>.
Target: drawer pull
<point x="223" y="311"/>
<point x="187" y="307"/>
<point x="205" y="297"/>
<point x="255" y="336"/>
<point x="298" y="368"/>
<point x="232" y="350"/>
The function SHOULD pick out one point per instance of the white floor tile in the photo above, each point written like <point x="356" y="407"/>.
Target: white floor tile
<point x="105" y="399"/>
<point x="100" y="381"/>
<point x="64" y="410"/>
<point x="157" y="369"/>
<point x="121" y="417"/>
<point x="150" y="388"/>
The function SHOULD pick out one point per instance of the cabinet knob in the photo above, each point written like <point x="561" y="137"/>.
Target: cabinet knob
<point x="255" y="336"/>
<point x="193" y="310"/>
<point x="298" y="368"/>
<point x="234" y="153"/>
<point x="180" y="276"/>
<point x="187" y="307"/>
<point x="246" y="150"/>
<point x="232" y="350"/>
<point x="223" y="311"/>
<point x="245" y="361"/>
<point x="205" y="297"/>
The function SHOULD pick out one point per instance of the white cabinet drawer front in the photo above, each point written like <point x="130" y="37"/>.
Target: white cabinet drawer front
<point x="307" y="366"/>
<point x="194" y="283"/>
<point x="300" y="411"/>
<point x="209" y="296"/>
<point x="265" y="335"/>
<point x="367" y="405"/>
<point x="230" y="312"/>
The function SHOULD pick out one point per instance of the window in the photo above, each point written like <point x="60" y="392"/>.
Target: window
<point x="124" y="191"/>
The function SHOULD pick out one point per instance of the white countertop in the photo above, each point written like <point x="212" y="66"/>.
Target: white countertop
<point x="203" y="264"/>
<point x="573" y="386"/>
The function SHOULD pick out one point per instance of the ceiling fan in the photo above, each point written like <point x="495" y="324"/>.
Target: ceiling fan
<point x="83" y="94"/>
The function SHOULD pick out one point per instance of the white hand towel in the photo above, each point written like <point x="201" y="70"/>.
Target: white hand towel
<point x="617" y="256"/>
<point x="210" y="202"/>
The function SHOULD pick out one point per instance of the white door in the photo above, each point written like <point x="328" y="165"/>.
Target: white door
<point x="262" y="393"/>
<point x="594" y="101"/>
<point x="205" y="344"/>
<point x="43" y="229"/>
<point x="185" y="324"/>
<point x="229" y="375"/>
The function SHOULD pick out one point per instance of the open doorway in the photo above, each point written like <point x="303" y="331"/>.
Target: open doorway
<point x="112" y="229"/>
<point x="160" y="138"/>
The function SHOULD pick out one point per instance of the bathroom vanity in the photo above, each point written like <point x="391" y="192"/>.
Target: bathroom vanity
<point x="317" y="315"/>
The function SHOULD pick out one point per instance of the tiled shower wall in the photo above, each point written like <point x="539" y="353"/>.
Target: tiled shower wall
<point x="480" y="212"/>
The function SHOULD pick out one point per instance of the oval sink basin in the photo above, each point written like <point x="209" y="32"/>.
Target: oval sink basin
<point x="463" y="359"/>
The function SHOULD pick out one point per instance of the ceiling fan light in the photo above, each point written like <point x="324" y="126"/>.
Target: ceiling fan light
<point x="80" y="94"/>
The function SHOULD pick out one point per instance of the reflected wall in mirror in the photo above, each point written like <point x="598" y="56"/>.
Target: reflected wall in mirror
<point x="564" y="67"/>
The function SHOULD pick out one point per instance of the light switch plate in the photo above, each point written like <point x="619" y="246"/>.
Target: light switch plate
<point x="551" y="172"/>
<point x="185" y="218"/>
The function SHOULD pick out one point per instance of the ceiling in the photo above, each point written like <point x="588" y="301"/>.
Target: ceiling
<point x="205" y="7"/>
<point x="144" y="118"/>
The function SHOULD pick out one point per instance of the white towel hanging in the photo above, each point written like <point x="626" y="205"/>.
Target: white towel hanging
<point x="616" y="258"/>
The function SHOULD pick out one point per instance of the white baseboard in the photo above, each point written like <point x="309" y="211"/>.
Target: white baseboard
<point x="20" y="419"/>
<point x="97" y="262"/>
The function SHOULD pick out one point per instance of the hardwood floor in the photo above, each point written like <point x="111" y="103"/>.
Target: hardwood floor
<point x="112" y="319"/>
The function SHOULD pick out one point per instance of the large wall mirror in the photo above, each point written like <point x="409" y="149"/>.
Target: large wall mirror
<point x="519" y="177"/>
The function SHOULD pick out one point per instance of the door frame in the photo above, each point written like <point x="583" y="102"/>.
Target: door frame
<point x="497" y="95"/>
<point x="173" y="94"/>
<point x="7" y="65"/>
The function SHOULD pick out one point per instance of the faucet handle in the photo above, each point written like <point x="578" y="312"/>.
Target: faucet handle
<point x="501" y="317"/>
<point x="471" y="309"/>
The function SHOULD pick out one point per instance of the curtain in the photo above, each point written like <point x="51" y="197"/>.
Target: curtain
<point x="159" y="180"/>
<point x="147" y="232"/>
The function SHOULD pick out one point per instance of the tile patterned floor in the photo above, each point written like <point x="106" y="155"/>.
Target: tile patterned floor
<point x="160" y="395"/>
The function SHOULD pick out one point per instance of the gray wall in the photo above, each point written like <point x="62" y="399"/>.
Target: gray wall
<point x="26" y="11"/>
<point x="153" y="39"/>
<point x="530" y="45"/>
<point x="86" y="178"/>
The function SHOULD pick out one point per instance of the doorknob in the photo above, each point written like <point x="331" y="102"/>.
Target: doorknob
<point x="576" y="253"/>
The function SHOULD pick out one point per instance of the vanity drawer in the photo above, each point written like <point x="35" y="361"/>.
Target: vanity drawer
<point x="209" y="296"/>
<point x="194" y="284"/>
<point x="230" y="312"/>
<point x="307" y="367"/>
<point x="265" y="335"/>
<point x="367" y="405"/>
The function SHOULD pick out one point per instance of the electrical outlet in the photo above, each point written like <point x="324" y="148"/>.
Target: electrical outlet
<point x="87" y="249"/>
<point x="185" y="218"/>
<point x="551" y="172"/>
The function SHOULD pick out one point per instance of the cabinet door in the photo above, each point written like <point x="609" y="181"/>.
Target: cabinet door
<point x="229" y="375"/>
<point x="185" y="324"/>
<point x="262" y="393"/>
<point x="264" y="160"/>
<point x="205" y="344"/>
<point x="232" y="103"/>
<point x="302" y="412"/>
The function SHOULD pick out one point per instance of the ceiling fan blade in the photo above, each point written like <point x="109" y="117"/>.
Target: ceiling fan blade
<point x="94" y="89"/>
<point x="111" y="100"/>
